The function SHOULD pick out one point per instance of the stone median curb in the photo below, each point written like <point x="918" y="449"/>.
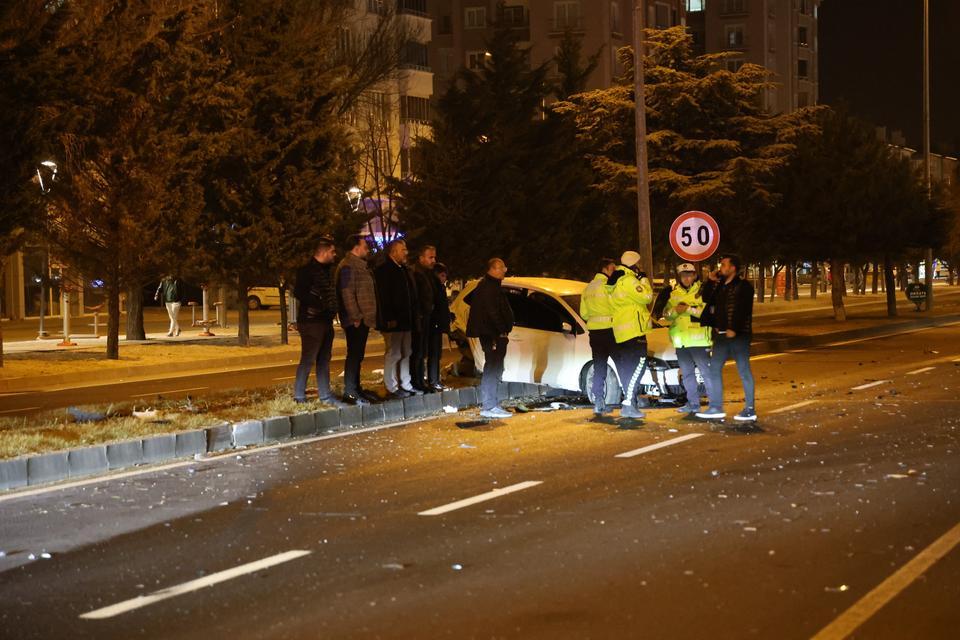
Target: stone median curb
<point x="86" y="462"/>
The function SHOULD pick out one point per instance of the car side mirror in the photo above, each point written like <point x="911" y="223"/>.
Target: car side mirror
<point x="566" y="327"/>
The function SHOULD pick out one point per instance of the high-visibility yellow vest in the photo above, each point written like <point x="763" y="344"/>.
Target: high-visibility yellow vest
<point x="595" y="306"/>
<point x="630" y="299"/>
<point x="684" y="331"/>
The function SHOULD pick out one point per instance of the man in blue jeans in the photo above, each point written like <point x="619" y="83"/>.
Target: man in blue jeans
<point x="730" y="313"/>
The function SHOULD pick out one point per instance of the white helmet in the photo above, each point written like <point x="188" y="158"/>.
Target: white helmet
<point x="686" y="267"/>
<point x="629" y="258"/>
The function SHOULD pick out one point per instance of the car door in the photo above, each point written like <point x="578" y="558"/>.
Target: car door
<point x="543" y="344"/>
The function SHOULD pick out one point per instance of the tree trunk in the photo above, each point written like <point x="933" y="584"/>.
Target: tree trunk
<point x="284" y="321"/>
<point x="773" y="281"/>
<point x="949" y="279"/>
<point x="891" y="287"/>
<point x="113" y="318"/>
<point x="823" y="281"/>
<point x="135" y="330"/>
<point x="838" y="287"/>
<point x="814" y="279"/>
<point x="243" y="314"/>
<point x="761" y="282"/>
<point x="876" y="278"/>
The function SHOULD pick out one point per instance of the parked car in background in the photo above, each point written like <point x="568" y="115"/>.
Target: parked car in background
<point x="263" y="298"/>
<point x="549" y="344"/>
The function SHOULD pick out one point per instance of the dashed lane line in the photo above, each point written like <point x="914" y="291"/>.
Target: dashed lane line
<point x="862" y="610"/>
<point x="919" y="371"/>
<point x="193" y="585"/>
<point x="805" y="403"/>
<point x="868" y="385"/>
<point x="483" y="497"/>
<point x="659" y="445"/>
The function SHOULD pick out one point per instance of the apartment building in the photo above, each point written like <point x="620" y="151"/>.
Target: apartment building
<point x="780" y="35"/>
<point x="461" y="29"/>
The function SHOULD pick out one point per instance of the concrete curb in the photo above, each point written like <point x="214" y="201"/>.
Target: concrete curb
<point x="100" y="459"/>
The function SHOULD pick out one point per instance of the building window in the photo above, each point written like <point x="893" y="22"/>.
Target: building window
<point x="476" y="60"/>
<point x="446" y="25"/>
<point x="615" y="17"/>
<point x="414" y="109"/>
<point x="513" y="17"/>
<point x="803" y="70"/>
<point x="566" y="15"/>
<point x="733" y="64"/>
<point x="694" y="5"/>
<point x="734" y="6"/>
<point x="802" y="36"/>
<point x="733" y="35"/>
<point x="475" y="18"/>
<point x="415" y="56"/>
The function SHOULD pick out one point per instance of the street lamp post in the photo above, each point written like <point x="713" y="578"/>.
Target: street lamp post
<point x="645" y="247"/>
<point x="928" y="275"/>
<point x="51" y="166"/>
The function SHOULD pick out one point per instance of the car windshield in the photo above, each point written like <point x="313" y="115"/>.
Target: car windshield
<point x="574" y="302"/>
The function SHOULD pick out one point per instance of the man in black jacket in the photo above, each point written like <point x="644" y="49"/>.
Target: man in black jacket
<point x="730" y="312"/>
<point x="491" y="320"/>
<point x="423" y="277"/>
<point x="317" y="294"/>
<point x="439" y="325"/>
<point x="396" y="311"/>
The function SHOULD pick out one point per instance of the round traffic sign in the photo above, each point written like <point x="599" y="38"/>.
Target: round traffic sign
<point x="695" y="236"/>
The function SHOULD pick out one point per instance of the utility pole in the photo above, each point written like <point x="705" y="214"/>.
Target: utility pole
<point x="645" y="248"/>
<point x="928" y="275"/>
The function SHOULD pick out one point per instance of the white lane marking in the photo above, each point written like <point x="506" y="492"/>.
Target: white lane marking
<point x="167" y="392"/>
<point x="887" y="590"/>
<point x="886" y="335"/>
<point x="919" y="371"/>
<point x="286" y="378"/>
<point x="659" y="445"/>
<point x="193" y="585"/>
<point x="805" y="403"/>
<point x="875" y="383"/>
<point x="13" y="495"/>
<point x="483" y="497"/>
<point x="20" y="409"/>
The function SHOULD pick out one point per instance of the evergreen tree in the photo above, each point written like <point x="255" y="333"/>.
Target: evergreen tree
<point x="573" y="70"/>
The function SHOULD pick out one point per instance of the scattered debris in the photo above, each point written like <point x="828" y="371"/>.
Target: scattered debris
<point x="464" y="445"/>
<point x="457" y="567"/>
<point x="449" y="409"/>
<point x="839" y="589"/>
<point x="86" y="416"/>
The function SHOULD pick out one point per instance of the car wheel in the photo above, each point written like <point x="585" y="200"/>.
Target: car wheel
<point x="612" y="385"/>
<point x="253" y="303"/>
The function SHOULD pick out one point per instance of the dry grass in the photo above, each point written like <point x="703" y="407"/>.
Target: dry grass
<point x="93" y="359"/>
<point x="55" y="430"/>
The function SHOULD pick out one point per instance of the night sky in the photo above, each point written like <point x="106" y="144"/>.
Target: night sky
<point x="871" y="55"/>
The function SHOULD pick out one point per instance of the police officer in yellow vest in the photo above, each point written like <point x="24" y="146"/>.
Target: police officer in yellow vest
<point x="630" y="298"/>
<point x="596" y="310"/>
<point x="691" y="339"/>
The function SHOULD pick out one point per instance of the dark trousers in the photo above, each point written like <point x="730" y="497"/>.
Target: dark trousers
<point x="316" y="344"/>
<point x="602" y="345"/>
<point x="725" y="348"/>
<point x="691" y="359"/>
<point x="494" y="352"/>
<point x="434" y="354"/>
<point x="356" y="349"/>
<point x="418" y="358"/>
<point x="631" y="360"/>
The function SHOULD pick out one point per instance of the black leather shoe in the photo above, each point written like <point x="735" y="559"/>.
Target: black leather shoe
<point x="370" y="396"/>
<point x="400" y="394"/>
<point x="412" y="392"/>
<point x="349" y="398"/>
<point x="438" y="388"/>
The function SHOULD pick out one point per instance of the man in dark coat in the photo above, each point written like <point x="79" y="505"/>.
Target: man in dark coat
<point x="316" y="293"/>
<point x="357" y="296"/>
<point x="423" y="277"/>
<point x="491" y="320"/>
<point x="396" y="311"/>
<point x="730" y="313"/>
<point x="439" y="325"/>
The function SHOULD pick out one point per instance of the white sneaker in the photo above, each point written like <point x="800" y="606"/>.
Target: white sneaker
<point x="495" y="414"/>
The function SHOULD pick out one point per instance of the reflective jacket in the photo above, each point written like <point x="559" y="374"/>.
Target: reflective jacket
<point x="630" y="298"/>
<point x="685" y="328"/>
<point x="595" y="306"/>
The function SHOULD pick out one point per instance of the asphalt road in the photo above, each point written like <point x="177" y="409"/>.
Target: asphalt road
<point x="773" y="534"/>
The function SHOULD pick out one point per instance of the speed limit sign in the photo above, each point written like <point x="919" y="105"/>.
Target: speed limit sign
<point x="695" y="236"/>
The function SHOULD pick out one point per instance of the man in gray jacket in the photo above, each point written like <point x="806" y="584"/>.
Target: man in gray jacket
<point x="358" y="312"/>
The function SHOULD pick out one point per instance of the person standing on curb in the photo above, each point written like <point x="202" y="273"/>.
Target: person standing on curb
<point x="731" y="315"/>
<point x="690" y="338"/>
<point x="316" y="293"/>
<point x="597" y="312"/>
<point x="168" y="293"/>
<point x="630" y="298"/>
<point x="439" y="325"/>
<point x="423" y="276"/>
<point x="357" y="302"/>
<point x="491" y="320"/>
<point x="396" y="310"/>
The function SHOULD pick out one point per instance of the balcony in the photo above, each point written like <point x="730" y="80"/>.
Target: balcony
<point x="413" y="7"/>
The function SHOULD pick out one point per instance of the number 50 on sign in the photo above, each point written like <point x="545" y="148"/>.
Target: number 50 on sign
<point x="695" y="236"/>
